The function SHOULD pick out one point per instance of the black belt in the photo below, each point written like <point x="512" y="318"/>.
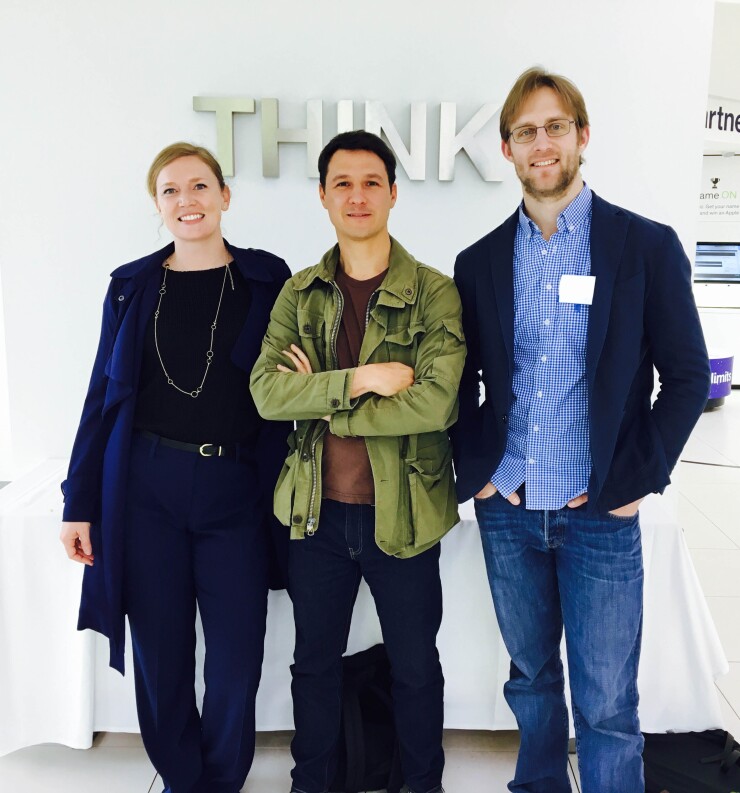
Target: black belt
<point x="203" y="449"/>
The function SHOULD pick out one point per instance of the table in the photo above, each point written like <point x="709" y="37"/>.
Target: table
<point x="58" y="687"/>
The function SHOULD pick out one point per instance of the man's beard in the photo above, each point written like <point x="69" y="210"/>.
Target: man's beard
<point x="567" y="177"/>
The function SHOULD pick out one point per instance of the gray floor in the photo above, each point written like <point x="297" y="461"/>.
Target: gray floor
<point x="476" y="761"/>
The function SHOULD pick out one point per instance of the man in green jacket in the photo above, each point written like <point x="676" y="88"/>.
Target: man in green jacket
<point x="365" y="351"/>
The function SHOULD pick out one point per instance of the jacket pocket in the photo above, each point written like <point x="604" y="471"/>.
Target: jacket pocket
<point x="311" y="333"/>
<point x="432" y="494"/>
<point x="402" y="344"/>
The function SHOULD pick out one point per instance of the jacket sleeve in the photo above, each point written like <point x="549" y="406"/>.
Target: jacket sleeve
<point x="82" y="487"/>
<point x="430" y="404"/>
<point x="676" y="343"/>
<point x="289" y="395"/>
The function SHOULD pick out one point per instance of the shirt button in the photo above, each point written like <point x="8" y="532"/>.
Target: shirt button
<point x="408" y="292"/>
<point x="547" y="322"/>
<point x="544" y="252"/>
<point x="530" y="461"/>
<point x="297" y="518"/>
<point x="539" y="395"/>
<point x="536" y="428"/>
<point x="543" y="359"/>
<point x="335" y="403"/>
<point x="305" y="457"/>
<point x="548" y="287"/>
<point x="121" y="298"/>
<point x="306" y="328"/>
<point x="504" y="418"/>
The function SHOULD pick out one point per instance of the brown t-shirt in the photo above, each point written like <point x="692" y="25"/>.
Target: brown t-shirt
<point x="346" y="473"/>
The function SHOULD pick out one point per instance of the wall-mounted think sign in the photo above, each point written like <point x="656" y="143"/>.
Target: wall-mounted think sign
<point x="411" y="159"/>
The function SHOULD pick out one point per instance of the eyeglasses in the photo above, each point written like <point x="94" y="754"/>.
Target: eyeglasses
<point x="554" y="129"/>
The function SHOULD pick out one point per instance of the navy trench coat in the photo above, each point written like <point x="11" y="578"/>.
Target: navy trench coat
<point x="95" y="488"/>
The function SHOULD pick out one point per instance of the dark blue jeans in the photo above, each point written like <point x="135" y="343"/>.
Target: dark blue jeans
<point x="324" y="573"/>
<point x="549" y="569"/>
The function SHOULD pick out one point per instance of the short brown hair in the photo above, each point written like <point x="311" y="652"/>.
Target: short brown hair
<point x="173" y="152"/>
<point x="527" y="83"/>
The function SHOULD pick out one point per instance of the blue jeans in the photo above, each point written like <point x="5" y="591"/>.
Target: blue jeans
<point x="324" y="573"/>
<point x="553" y="568"/>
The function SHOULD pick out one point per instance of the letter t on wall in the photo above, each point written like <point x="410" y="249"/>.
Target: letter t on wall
<point x="224" y="107"/>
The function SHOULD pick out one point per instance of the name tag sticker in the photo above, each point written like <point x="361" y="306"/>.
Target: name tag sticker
<point x="577" y="289"/>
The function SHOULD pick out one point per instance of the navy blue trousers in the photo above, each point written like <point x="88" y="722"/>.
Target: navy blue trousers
<point x="195" y="536"/>
<point x="324" y="573"/>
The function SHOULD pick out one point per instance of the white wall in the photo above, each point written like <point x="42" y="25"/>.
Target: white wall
<point x="91" y="91"/>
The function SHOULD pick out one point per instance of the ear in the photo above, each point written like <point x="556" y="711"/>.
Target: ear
<point x="226" y="194"/>
<point x="583" y="138"/>
<point x="322" y="195"/>
<point x="394" y="194"/>
<point x="506" y="150"/>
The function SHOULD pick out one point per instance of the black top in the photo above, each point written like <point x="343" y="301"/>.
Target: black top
<point x="223" y="413"/>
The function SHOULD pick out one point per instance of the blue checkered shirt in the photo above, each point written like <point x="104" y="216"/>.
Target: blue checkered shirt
<point x="548" y="444"/>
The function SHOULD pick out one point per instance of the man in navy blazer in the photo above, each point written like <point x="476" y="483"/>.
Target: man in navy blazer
<point x="568" y="307"/>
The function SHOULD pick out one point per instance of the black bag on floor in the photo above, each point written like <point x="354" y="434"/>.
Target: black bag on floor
<point x="368" y="753"/>
<point x="692" y="762"/>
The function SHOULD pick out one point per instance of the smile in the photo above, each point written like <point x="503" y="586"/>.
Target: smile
<point x="543" y="163"/>
<point x="187" y="218"/>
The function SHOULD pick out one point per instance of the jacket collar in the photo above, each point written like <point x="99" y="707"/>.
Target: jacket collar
<point x="246" y="259"/>
<point x="399" y="287"/>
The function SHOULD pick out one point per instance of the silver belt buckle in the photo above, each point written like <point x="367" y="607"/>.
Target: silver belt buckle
<point x="218" y="453"/>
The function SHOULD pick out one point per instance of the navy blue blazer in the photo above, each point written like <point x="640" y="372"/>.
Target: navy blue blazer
<point x="95" y="488"/>
<point x="643" y="315"/>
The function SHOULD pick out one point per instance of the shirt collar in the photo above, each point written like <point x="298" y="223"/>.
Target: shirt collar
<point x="568" y="220"/>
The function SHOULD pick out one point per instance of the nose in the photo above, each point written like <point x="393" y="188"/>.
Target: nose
<point x="542" y="139"/>
<point x="357" y="196"/>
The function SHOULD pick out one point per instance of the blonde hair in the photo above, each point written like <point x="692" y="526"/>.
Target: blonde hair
<point x="173" y="152"/>
<point x="531" y="80"/>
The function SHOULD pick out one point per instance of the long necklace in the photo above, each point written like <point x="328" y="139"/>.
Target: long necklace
<point x="209" y="354"/>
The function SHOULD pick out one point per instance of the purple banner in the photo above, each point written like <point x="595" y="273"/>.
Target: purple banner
<point x="721" y="377"/>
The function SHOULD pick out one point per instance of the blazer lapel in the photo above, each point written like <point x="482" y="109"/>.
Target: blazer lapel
<point x="502" y="275"/>
<point x="123" y="365"/>
<point x="262" y="286"/>
<point x="608" y="235"/>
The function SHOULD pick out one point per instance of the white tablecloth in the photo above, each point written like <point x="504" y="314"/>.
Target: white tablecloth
<point x="57" y="687"/>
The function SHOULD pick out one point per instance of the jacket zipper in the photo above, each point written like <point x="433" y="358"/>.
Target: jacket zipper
<point x="311" y="522"/>
<point x="369" y="308"/>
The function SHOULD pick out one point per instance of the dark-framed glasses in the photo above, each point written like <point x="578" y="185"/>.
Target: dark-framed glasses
<point x="554" y="129"/>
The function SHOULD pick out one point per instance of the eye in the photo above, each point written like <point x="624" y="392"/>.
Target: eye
<point x="526" y="133"/>
<point x="372" y="183"/>
<point x="341" y="184"/>
<point x="168" y="191"/>
<point x="555" y="126"/>
<point x="201" y="186"/>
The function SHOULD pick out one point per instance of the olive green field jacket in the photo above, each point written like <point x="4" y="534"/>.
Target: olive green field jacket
<point x="414" y="317"/>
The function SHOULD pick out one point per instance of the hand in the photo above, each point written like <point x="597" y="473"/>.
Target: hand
<point x="490" y="489"/>
<point x="628" y="510"/>
<point x="75" y="537"/>
<point x="384" y="379"/>
<point x="578" y="500"/>
<point x="300" y="361"/>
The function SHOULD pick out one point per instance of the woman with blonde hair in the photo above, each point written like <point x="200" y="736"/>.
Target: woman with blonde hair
<point x="167" y="500"/>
